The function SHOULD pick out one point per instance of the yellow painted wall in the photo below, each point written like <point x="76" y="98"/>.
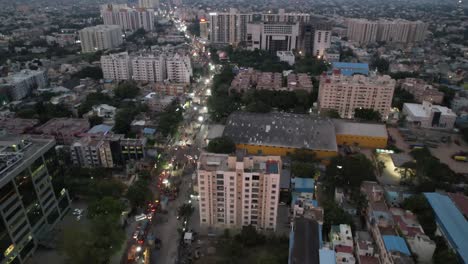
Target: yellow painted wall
<point x="282" y="151"/>
<point x="362" y="141"/>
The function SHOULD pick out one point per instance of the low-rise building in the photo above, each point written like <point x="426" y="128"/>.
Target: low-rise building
<point x="364" y="244"/>
<point x="340" y="235"/>
<point x="350" y="68"/>
<point x="20" y="84"/>
<point x="158" y="103"/>
<point x="269" y="81"/>
<point x="331" y="55"/>
<point x="364" y="135"/>
<point x="16" y="126"/>
<point x="65" y="130"/>
<point x="169" y="88"/>
<point x="286" y="56"/>
<point x="107" y="112"/>
<point x="422" y="91"/>
<point x="300" y="81"/>
<point x="427" y="115"/>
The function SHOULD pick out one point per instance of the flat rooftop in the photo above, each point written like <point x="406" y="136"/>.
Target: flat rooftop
<point x="419" y="111"/>
<point x="343" y="127"/>
<point x="281" y="130"/>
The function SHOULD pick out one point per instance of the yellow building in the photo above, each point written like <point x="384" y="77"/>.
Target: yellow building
<point x="282" y="134"/>
<point x="364" y="135"/>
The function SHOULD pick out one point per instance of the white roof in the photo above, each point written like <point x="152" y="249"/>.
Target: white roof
<point x="417" y="110"/>
<point x="188" y="236"/>
<point x="343" y="127"/>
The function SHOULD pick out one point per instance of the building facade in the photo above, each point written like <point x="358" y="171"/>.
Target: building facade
<point x="150" y="4"/>
<point x="116" y="66"/>
<point x="228" y="27"/>
<point x="20" y="85"/>
<point x="273" y="36"/>
<point x="427" y="115"/>
<point x="129" y="19"/>
<point x="422" y="91"/>
<point x="346" y="93"/>
<point x="30" y="206"/>
<point x="179" y="68"/>
<point x="204" y="29"/>
<point x="149" y="68"/>
<point x="100" y="37"/>
<point x="238" y="190"/>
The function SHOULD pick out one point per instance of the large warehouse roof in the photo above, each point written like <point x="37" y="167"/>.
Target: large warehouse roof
<point x="281" y="130"/>
<point x="343" y="127"/>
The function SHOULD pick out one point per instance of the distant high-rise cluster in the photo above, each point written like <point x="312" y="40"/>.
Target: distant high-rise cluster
<point x="274" y="32"/>
<point x="148" y="4"/>
<point x="100" y="37"/>
<point x="147" y="67"/>
<point x="129" y="19"/>
<point x="397" y="31"/>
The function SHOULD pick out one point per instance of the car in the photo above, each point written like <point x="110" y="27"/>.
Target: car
<point x="135" y="235"/>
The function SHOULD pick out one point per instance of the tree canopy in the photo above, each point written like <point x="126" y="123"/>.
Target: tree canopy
<point x="89" y="72"/>
<point x="126" y="90"/>
<point x="367" y="114"/>
<point x="221" y="145"/>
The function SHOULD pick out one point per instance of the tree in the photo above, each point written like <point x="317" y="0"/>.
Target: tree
<point x="76" y="245"/>
<point x="332" y="113"/>
<point x="126" y="90"/>
<point x="95" y="120"/>
<point x="170" y="119"/>
<point x="105" y="206"/>
<point x="334" y="215"/>
<point x="349" y="172"/>
<point x="419" y="206"/>
<point x="367" y="114"/>
<point x="400" y="97"/>
<point x="303" y="169"/>
<point x="139" y="193"/>
<point x="249" y="237"/>
<point x="258" y="107"/>
<point x="94" y="99"/>
<point x="185" y="211"/>
<point x="89" y="72"/>
<point x="221" y="145"/>
<point x="449" y="94"/>
<point x="380" y="64"/>
<point x="123" y="120"/>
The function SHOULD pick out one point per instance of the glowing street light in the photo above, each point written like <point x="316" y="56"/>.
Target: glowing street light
<point x="138" y="249"/>
<point x="200" y="119"/>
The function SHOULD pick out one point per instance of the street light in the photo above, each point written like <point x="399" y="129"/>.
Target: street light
<point x="200" y="119"/>
<point x="138" y="249"/>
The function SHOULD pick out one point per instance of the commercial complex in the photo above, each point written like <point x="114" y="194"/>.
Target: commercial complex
<point x="238" y="190"/>
<point x="273" y="36"/>
<point x="129" y="19"/>
<point x="30" y="206"/>
<point x="116" y="66"/>
<point x="281" y="133"/>
<point x="100" y="37"/>
<point x="427" y="115"/>
<point x="450" y="223"/>
<point x="364" y="135"/>
<point x="366" y="31"/>
<point x="20" y="84"/>
<point x="346" y="93"/>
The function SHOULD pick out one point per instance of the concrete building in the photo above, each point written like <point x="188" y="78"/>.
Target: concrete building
<point x="346" y="93"/>
<point x="149" y="68"/>
<point x="107" y="112"/>
<point x="157" y="102"/>
<point x="179" y="68"/>
<point x="281" y="133"/>
<point x="282" y="16"/>
<point x="129" y="19"/>
<point x="269" y="81"/>
<point x="315" y="38"/>
<point x="65" y="130"/>
<point x="419" y="243"/>
<point x="340" y="235"/>
<point x="365" y="31"/>
<point x="427" y="115"/>
<point x="300" y="81"/>
<point x="422" y="91"/>
<point x="133" y="148"/>
<point x="459" y="102"/>
<point x="322" y="41"/>
<point x="364" y="135"/>
<point x="20" y="84"/>
<point x="169" y="88"/>
<point x="364" y="244"/>
<point x="204" y="29"/>
<point x="16" y="126"/>
<point x="273" y="36"/>
<point x="150" y="4"/>
<point x="30" y="206"/>
<point x="100" y="37"/>
<point x="116" y="66"/>
<point x="331" y="55"/>
<point x="238" y="190"/>
<point x="228" y="28"/>
<point x="93" y="151"/>
<point x="451" y="223"/>
<point x="286" y="56"/>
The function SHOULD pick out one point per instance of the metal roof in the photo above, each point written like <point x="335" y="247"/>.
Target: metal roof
<point x="303" y="184"/>
<point x="396" y="243"/>
<point x="453" y="225"/>
<point x="281" y="130"/>
<point x="343" y="127"/>
<point x="348" y="68"/>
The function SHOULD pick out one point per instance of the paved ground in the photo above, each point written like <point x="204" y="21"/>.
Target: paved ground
<point x="389" y="175"/>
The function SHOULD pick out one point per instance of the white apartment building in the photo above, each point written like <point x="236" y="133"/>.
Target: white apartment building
<point x="204" y="29"/>
<point x="238" y="190"/>
<point x="228" y="27"/>
<point x="149" y="68"/>
<point x="365" y="31"/>
<point x="282" y="16"/>
<point x="100" y="37"/>
<point x="273" y="36"/>
<point x="322" y="41"/>
<point x="19" y="85"/>
<point x="427" y="115"/>
<point x="346" y="93"/>
<point x="179" y="68"/>
<point x="129" y="19"/>
<point x="148" y="4"/>
<point x="116" y="66"/>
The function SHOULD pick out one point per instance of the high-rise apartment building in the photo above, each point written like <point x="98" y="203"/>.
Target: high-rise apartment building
<point x="238" y="190"/>
<point x="282" y="16"/>
<point x="228" y="27"/>
<point x="346" y="93"/>
<point x="314" y="38"/>
<point x="100" y="37"/>
<point x="148" y="4"/>
<point x="116" y="66"/>
<point x="129" y="19"/>
<point x="273" y="36"/>
<point x="204" y="29"/>
<point x="30" y="207"/>
<point x="20" y="84"/>
<point x="179" y="68"/>
<point x="322" y="41"/>
<point x="366" y="31"/>
<point x="149" y="68"/>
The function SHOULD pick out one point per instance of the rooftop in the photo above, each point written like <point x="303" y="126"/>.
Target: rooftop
<point x="303" y="184"/>
<point x="461" y="201"/>
<point x="343" y="127"/>
<point x="16" y="126"/>
<point x="368" y="260"/>
<point x="327" y="256"/>
<point x="58" y="126"/>
<point x="396" y="243"/>
<point x="453" y="223"/>
<point x="420" y="110"/>
<point x="348" y="68"/>
<point x="100" y="129"/>
<point x="281" y="130"/>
